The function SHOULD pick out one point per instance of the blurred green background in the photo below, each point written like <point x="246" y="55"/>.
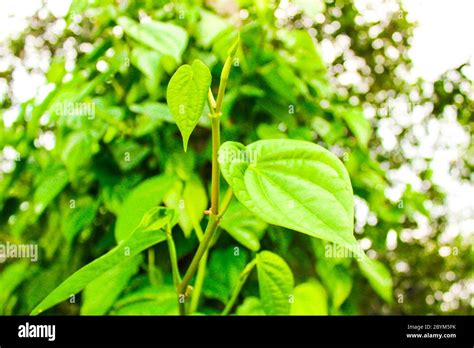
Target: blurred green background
<point x="74" y="155"/>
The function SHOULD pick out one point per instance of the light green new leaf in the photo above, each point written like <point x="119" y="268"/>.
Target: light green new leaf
<point x="310" y="298"/>
<point x="186" y="96"/>
<point x="275" y="281"/>
<point x="148" y="233"/>
<point x="103" y="291"/>
<point x="378" y="276"/>
<point x="141" y="199"/>
<point x="165" y="38"/>
<point x="295" y="184"/>
<point x="243" y="226"/>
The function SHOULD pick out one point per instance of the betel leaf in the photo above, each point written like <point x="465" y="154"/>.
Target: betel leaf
<point x="165" y="38"/>
<point x="186" y="96"/>
<point x="378" y="276"/>
<point x="295" y="184"/>
<point x="310" y="298"/>
<point x="243" y="226"/>
<point x="275" y="281"/>
<point x="148" y="233"/>
<point x="142" y="198"/>
<point x="103" y="291"/>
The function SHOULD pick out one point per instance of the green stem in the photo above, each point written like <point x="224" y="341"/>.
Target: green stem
<point x="242" y="279"/>
<point x="215" y="164"/>
<point x="223" y="84"/>
<point x="173" y="258"/>
<point x="215" y="215"/>
<point x="151" y="267"/>
<point x="210" y="229"/>
<point x="201" y="272"/>
<point x="200" y="275"/>
<point x="229" y="194"/>
<point x="211" y="101"/>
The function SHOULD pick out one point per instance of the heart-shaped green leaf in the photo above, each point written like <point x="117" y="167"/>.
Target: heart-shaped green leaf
<point x="243" y="225"/>
<point x="295" y="184"/>
<point x="275" y="281"/>
<point x="186" y="96"/>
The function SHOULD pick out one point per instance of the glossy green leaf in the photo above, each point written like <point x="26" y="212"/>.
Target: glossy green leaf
<point x="186" y="96"/>
<point x="275" y="281"/>
<point x="102" y="292"/>
<point x="379" y="277"/>
<point x="310" y="298"/>
<point x="165" y="38"/>
<point x="148" y="233"/>
<point x="294" y="184"/>
<point x="141" y="199"/>
<point x="243" y="226"/>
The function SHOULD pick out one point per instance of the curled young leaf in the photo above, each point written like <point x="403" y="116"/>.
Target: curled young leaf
<point x="186" y="96"/>
<point x="295" y="184"/>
